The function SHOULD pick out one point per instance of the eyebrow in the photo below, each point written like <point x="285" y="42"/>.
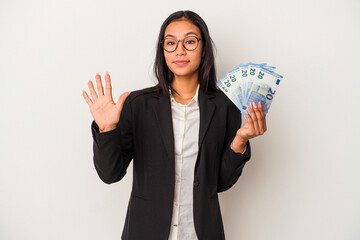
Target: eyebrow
<point x="189" y="33"/>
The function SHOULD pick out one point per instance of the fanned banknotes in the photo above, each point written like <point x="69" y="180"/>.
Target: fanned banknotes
<point x="251" y="83"/>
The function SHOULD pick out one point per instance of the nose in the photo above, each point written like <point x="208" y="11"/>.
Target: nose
<point x="180" y="50"/>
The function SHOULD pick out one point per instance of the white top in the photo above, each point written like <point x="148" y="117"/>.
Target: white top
<point x="186" y="124"/>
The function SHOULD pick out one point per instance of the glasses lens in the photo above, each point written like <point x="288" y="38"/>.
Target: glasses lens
<point x="169" y="44"/>
<point x="190" y="43"/>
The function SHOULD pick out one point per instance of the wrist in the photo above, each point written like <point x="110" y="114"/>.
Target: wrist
<point x="238" y="145"/>
<point x="106" y="129"/>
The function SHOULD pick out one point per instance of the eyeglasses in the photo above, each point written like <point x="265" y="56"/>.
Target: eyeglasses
<point x="189" y="43"/>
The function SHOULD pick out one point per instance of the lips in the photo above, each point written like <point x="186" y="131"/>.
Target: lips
<point x="181" y="62"/>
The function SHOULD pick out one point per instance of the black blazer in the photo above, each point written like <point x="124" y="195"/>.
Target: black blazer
<point x="145" y="134"/>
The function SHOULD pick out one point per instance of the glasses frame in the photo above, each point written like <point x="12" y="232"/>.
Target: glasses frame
<point x="182" y="42"/>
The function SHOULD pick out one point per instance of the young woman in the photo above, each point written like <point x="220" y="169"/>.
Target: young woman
<point x="183" y="134"/>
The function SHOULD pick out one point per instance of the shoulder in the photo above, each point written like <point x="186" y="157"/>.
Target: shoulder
<point x="143" y="98"/>
<point x="224" y="105"/>
<point x="221" y="98"/>
<point x="144" y="93"/>
<point x="219" y="95"/>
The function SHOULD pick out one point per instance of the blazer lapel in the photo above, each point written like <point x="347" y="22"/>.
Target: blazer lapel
<point x="163" y="115"/>
<point x="164" y="118"/>
<point x="207" y="109"/>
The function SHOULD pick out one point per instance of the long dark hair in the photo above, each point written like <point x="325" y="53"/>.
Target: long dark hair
<point x="207" y="72"/>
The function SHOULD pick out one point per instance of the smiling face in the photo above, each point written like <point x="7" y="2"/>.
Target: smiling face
<point x="182" y="62"/>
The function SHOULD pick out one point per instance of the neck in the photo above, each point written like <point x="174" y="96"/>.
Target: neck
<point x="185" y="86"/>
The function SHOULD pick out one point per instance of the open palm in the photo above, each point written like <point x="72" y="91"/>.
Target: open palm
<point x="104" y="110"/>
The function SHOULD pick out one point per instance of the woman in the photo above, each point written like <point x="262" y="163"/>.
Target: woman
<point x="183" y="134"/>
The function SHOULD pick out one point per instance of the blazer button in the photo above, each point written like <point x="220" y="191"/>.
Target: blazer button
<point x="196" y="183"/>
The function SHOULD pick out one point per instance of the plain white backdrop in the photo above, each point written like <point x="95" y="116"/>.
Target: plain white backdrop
<point x="303" y="179"/>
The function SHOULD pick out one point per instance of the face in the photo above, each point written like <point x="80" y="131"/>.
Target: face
<point x="182" y="62"/>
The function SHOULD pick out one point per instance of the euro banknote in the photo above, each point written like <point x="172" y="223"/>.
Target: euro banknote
<point x="251" y="82"/>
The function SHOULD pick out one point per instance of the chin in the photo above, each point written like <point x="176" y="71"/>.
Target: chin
<point x="183" y="72"/>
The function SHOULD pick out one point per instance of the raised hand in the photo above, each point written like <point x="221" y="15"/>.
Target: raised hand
<point x="104" y="110"/>
<point x="255" y="126"/>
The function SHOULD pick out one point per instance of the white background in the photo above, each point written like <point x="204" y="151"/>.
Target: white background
<point x="303" y="179"/>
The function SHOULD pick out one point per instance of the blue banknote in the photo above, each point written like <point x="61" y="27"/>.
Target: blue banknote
<point x="251" y="82"/>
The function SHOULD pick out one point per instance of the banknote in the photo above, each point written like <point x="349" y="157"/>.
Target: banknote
<point x="238" y="79"/>
<point x="231" y="91"/>
<point x="251" y="82"/>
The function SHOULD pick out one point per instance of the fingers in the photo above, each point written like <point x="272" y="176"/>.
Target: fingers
<point x="108" y="85"/>
<point x="121" y="100"/>
<point x="252" y="108"/>
<point x="87" y="99"/>
<point x="92" y="91"/>
<point x="250" y="122"/>
<point x="260" y="119"/>
<point x="256" y="123"/>
<point x="99" y="85"/>
<point x="261" y="109"/>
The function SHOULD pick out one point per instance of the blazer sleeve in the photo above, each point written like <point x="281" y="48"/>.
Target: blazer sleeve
<point x="232" y="163"/>
<point x="114" y="150"/>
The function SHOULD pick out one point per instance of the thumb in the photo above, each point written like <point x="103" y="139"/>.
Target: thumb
<point x="121" y="100"/>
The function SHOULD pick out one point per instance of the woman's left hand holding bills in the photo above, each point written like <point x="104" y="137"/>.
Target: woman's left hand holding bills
<point x="255" y="126"/>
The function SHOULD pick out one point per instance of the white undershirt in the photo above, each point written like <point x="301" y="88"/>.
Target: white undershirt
<point x="185" y="120"/>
